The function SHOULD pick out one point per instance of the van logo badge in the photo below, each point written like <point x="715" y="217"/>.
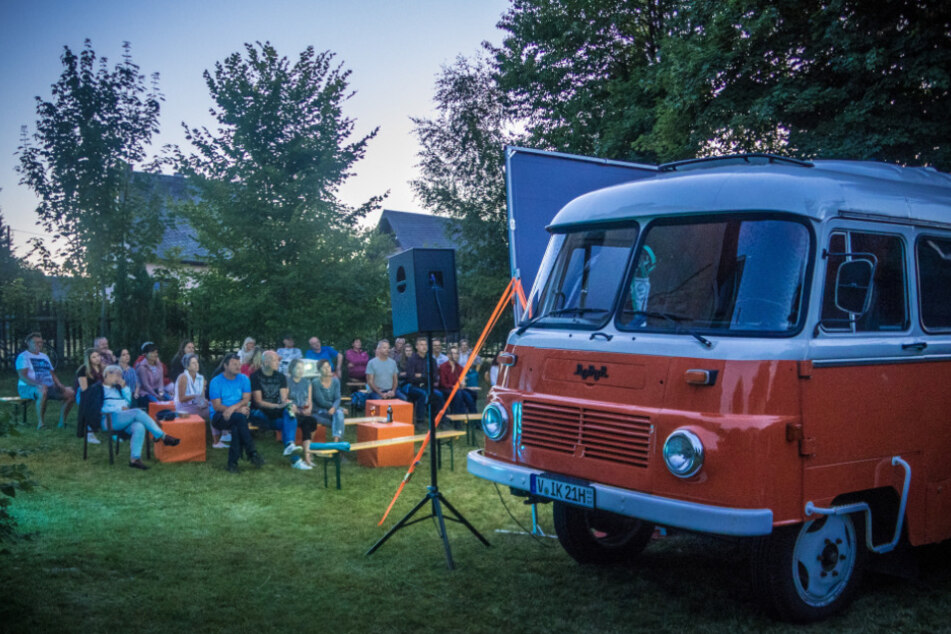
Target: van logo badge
<point x="592" y="372"/>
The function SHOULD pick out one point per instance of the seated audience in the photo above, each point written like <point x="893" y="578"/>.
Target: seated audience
<point x="253" y="364"/>
<point x="287" y="354"/>
<point x="450" y="372"/>
<point x="357" y="359"/>
<point x="38" y="382"/>
<point x="383" y="374"/>
<point x="116" y="397"/>
<point x="177" y="365"/>
<point x="472" y="377"/>
<point x="247" y="350"/>
<point x="150" y="371"/>
<point x="405" y="353"/>
<point x="300" y="392"/>
<point x="438" y="353"/>
<point x="131" y="379"/>
<point x="101" y="344"/>
<point x="270" y="407"/>
<point x="319" y="352"/>
<point x="492" y="374"/>
<point x="230" y="393"/>
<point x="326" y="394"/>
<point x="87" y="375"/>
<point x="415" y="388"/>
<point x="190" y="392"/>
<point x="397" y="348"/>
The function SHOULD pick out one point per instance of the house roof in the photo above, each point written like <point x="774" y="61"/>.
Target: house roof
<point x="179" y="240"/>
<point x="411" y="230"/>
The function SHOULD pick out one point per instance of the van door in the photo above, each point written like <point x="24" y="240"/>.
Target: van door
<point x="861" y="403"/>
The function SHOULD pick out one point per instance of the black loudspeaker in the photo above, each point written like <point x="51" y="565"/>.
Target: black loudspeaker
<point x="423" y="291"/>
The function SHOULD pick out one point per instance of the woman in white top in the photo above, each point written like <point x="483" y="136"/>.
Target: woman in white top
<point x="190" y="389"/>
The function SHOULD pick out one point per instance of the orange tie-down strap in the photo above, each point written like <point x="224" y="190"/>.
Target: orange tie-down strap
<point x="510" y="290"/>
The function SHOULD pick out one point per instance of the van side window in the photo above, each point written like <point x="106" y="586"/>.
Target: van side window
<point x="888" y="309"/>
<point x="934" y="280"/>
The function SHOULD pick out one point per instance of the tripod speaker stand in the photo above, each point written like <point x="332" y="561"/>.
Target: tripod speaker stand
<point x="433" y="496"/>
<point x="400" y="290"/>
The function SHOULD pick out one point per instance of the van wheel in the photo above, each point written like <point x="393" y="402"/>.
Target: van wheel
<point x="810" y="571"/>
<point x="599" y="537"/>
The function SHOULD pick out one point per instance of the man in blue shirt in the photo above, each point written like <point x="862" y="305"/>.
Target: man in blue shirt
<point x="324" y="352"/>
<point x="230" y="393"/>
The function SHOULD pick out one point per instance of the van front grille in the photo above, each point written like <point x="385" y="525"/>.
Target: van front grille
<point x="601" y="434"/>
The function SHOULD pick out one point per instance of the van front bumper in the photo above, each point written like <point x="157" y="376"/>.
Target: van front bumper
<point x="702" y="518"/>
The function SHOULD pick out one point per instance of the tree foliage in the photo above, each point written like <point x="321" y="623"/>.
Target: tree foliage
<point x="671" y="79"/>
<point x="832" y="79"/>
<point x="581" y="72"/>
<point x="461" y="175"/>
<point x="285" y="253"/>
<point x="79" y="161"/>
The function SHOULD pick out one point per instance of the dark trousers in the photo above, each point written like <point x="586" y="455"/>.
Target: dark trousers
<point x="462" y="403"/>
<point x="240" y="435"/>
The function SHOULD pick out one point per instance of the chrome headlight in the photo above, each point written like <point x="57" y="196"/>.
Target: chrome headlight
<point x="683" y="453"/>
<point x="495" y="421"/>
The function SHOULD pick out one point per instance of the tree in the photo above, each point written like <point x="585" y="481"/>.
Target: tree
<point x="285" y="253"/>
<point x="581" y="72"/>
<point x="79" y="162"/>
<point x="9" y="263"/>
<point x="659" y="80"/>
<point x="835" y="79"/>
<point x="462" y="167"/>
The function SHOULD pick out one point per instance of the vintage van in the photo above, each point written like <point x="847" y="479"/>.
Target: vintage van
<point x="747" y="346"/>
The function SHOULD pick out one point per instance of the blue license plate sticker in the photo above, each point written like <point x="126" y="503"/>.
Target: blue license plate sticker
<point x="563" y="491"/>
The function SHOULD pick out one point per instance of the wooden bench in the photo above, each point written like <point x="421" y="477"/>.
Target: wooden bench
<point x="16" y="400"/>
<point x="473" y="424"/>
<point x="346" y="421"/>
<point x="328" y="455"/>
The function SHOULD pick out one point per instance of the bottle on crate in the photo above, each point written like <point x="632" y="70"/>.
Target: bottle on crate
<point x="389" y="413"/>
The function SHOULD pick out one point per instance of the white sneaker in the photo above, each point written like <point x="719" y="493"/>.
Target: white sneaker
<point x="226" y="437"/>
<point x="219" y="445"/>
<point x="303" y="466"/>
<point x="291" y="448"/>
<point x="92" y="440"/>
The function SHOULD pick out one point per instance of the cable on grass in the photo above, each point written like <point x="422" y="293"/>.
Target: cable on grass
<point x="518" y="523"/>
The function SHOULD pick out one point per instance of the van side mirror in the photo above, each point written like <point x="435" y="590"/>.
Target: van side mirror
<point x="853" y="286"/>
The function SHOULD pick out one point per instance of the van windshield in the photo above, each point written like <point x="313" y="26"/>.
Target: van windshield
<point x="580" y="276"/>
<point x="732" y="275"/>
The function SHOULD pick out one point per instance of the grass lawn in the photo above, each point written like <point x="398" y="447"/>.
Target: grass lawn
<point x="191" y="548"/>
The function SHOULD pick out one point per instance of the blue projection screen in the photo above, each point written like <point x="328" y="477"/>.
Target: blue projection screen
<point x="539" y="184"/>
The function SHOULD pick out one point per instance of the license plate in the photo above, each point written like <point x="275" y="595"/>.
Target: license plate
<point x="577" y="494"/>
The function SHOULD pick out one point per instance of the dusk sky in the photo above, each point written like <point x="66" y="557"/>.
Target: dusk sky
<point x="394" y="48"/>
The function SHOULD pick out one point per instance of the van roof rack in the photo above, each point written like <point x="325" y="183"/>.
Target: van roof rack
<point x="750" y="158"/>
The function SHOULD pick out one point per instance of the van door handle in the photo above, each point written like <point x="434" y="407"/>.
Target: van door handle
<point x="917" y="346"/>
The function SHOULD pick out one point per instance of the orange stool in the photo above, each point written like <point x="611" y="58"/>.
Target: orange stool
<point x="402" y="411"/>
<point x="191" y="431"/>
<point x="393" y="456"/>
<point x="155" y="408"/>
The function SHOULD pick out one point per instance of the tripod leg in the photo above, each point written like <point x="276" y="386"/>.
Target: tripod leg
<point x="398" y="525"/>
<point x="437" y="511"/>
<point x="464" y="521"/>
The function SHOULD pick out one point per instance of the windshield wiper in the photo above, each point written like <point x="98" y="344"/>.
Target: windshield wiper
<point x="528" y="323"/>
<point x="576" y="310"/>
<point x="675" y="320"/>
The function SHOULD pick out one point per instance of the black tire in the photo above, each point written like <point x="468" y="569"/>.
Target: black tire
<point x="599" y="537"/>
<point x="810" y="571"/>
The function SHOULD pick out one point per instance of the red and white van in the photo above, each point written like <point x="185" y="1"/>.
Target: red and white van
<point x="747" y="346"/>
